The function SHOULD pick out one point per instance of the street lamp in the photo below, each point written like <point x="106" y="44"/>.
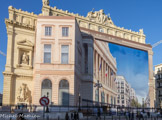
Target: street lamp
<point x="98" y="85"/>
<point x="79" y="103"/>
<point x="47" y="109"/>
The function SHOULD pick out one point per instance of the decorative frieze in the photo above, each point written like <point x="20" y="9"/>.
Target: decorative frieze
<point x="96" y="20"/>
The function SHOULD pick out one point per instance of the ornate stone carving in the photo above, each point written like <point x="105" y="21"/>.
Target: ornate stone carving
<point x="25" y="59"/>
<point x="99" y="16"/>
<point x="141" y="31"/>
<point x="45" y="2"/>
<point x="24" y="94"/>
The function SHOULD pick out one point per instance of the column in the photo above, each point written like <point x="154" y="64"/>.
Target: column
<point x="151" y="81"/>
<point x="90" y="59"/>
<point x="96" y="65"/>
<point x="102" y="72"/>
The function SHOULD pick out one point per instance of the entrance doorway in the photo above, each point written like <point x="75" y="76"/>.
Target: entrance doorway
<point x="47" y="89"/>
<point x="64" y="93"/>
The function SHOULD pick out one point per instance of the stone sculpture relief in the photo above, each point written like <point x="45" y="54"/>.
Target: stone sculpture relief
<point x="99" y="16"/>
<point x="25" y="59"/>
<point x="24" y="94"/>
<point x="45" y="2"/>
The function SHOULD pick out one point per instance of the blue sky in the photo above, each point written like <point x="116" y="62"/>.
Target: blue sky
<point x="133" y="65"/>
<point x="130" y="14"/>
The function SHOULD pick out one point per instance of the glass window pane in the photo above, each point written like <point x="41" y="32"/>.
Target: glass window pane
<point x="47" y="48"/>
<point x="64" y="54"/>
<point x="48" y="31"/>
<point x="65" y="31"/>
<point x="47" y="53"/>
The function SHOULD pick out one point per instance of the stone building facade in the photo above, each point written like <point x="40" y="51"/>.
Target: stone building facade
<point x="21" y="70"/>
<point x="158" y="85"/>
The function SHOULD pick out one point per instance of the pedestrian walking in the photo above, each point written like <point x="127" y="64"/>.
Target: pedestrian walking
<point x="66" y="116"/>
<point x="98" y="114"/>
<point x="72" y="116"/>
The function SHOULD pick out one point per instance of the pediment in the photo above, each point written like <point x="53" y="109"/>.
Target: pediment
<point x="25" y="43"/>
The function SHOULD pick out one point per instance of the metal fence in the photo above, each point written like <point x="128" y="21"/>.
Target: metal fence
<point x="90" y="111"/>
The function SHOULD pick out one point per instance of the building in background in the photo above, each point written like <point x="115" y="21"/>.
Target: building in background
<point x="158" y="85"/>
<point x="147" y="101"/>
<point x="125" y="93"/>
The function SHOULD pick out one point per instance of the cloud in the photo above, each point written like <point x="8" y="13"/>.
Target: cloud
<point x="133" y="65"/>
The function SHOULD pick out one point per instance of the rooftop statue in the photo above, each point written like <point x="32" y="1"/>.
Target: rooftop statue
<point x="45" y="2"/>
<point x="100" y="17"/>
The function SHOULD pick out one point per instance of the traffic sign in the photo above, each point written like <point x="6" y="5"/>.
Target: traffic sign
<point x="44" y="101"/>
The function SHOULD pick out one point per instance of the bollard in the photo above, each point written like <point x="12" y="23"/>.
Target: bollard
<point x="58" y="118"/>
<point x="112" y="117"/>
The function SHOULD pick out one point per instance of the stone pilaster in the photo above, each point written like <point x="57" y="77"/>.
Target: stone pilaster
<point x="151" y="84"/>
<point x="9" y="59"/>
<point x="7" y="88"/>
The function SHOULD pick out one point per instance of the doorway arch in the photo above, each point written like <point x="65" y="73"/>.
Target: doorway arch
<point x="47" y="88"/>
<point x="64" y="93"/>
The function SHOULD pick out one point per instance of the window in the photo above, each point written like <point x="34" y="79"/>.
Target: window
<point x="47" y="53"/>
<point x="65" y="31"/>
<point x="96" y="96"/>
<point x="103" y="97"/>
<point x="100" y="29"/>
<point x="48" y="31"/>
<point x="64" y="93"/>
<point x="64" y="54"/>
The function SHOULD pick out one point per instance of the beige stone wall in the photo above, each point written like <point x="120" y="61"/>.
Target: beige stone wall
<point x="21" y="37"/>
<point x="54" y="71"/>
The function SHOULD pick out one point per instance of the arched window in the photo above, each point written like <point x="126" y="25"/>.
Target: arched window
<point x="64" y="92"/>
<point x="64" y="84"/>
<point x="100" y="29"/>
<point x="46" y="84"/>
<point x="47" y="89"/>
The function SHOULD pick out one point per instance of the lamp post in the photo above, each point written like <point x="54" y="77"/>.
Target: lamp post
<point x="98" y="85"/>
<point x="47" y="110"/>
<point x="79" y="103"/>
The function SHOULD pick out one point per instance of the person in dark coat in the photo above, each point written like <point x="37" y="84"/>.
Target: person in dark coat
<point x="99" y="113"/>
<point x="72" y="116"/>
<point x="75" y="116"/>
<point x="66" y="116"/>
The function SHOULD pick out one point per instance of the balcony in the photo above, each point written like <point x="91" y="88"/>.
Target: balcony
<point x="159" y="87"/>
<point x="159" y="79"/>
<point x="159" y="71"/>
